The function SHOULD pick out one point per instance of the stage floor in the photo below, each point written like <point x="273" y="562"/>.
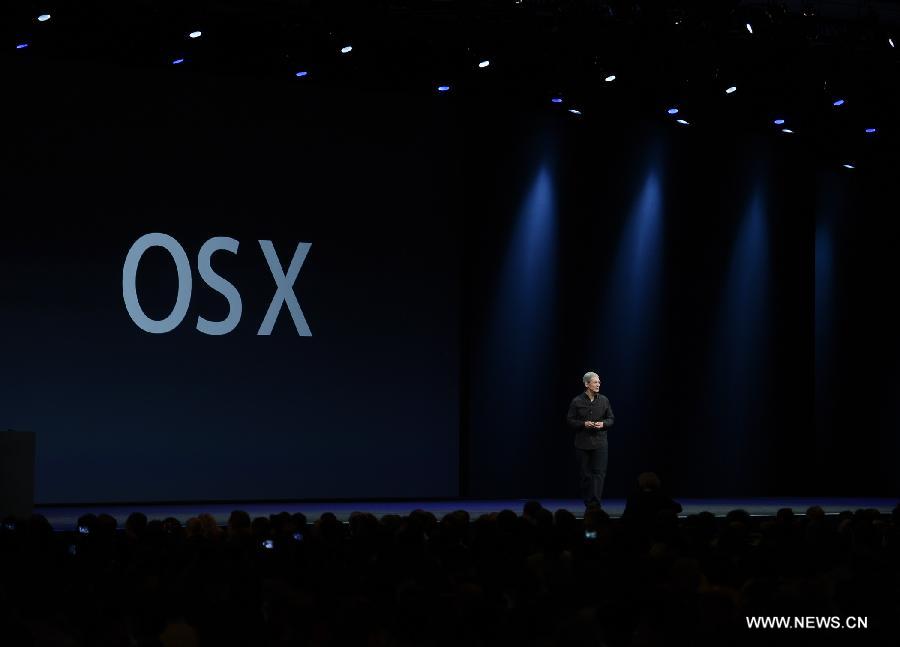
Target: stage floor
<point x="65" y="517"/>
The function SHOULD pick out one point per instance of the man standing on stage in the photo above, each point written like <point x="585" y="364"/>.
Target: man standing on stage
<point x="590" y="415"/>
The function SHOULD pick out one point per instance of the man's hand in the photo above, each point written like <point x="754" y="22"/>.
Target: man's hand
<point x="599" y="425"/>
<point x="588" y="424"/>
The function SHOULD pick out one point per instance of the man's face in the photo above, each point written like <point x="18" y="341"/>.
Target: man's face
<point x="594" y="385"/>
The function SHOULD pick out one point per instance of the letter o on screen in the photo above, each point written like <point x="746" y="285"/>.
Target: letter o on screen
<point x="129" y="282"/>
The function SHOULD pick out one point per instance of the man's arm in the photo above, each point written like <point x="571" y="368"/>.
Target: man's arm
<point x="572" y="419"/>
<point x="608" y="418"/>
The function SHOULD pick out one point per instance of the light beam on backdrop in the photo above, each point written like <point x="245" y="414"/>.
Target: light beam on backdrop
<point x="528" y="281"/>
<point x="830" y="204"/>
<point x="519" y="344"/>
<point x="824" y="276"/>
<point x="633" y="290"/>
<point x="627" y="316"/>
<point x="739" y="350"/>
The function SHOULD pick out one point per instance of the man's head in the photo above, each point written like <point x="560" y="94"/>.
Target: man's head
<point x="592" y="382"/>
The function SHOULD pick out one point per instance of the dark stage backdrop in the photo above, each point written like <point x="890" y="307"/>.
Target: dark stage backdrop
<point x="731" y="288"/>
<point x="365" y="405"/>
<point x="471" y="257"/>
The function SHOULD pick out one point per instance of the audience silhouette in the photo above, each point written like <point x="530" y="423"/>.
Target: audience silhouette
<point x="649" y="578"/>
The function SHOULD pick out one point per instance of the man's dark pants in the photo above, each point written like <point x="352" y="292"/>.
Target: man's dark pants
<point x="592" y="471"/>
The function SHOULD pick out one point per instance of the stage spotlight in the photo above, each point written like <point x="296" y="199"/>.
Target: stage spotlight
<point x="787" y="131"/>
<point x="484" y="64"/>
<point x="610" y="78"/>
<point x="44" y="17"/>
<point x="849" y="165"/>
<point x="731" y="90"/>
<point x="443" y="88"/>
<point x="891" y="42"/>
<point x="21" y="45"/>
<point x="672" y="111"/>
<point x="683" y="122"/>
<point x="346" y="49"/>
<point x="556" y="100"/>
<point x="195" y="34"/>
<point x="749" y="27"/>
<point x="178" y="61"/>
<point x="871" y="131"/>
<point x="778" y="122"/>
<point x="301" y="73"/>
<point x="575" y="111"/>
<point x="838" y="103"/>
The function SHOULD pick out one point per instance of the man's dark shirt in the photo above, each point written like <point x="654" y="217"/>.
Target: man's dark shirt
<point x="582" y="409"/>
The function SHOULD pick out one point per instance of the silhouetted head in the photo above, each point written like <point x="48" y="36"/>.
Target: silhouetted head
<point x="784" y="516"/>
<point x="211" y="528"/>
<point x="649" y="482"/>
<point x="815" y="513"/>
<point x="330" y="529"/>
<point x="738" y="516"/>
<point x="87" y="523"/>
<point x="463" y="516"/>
<point x="363" y="525"/>
<point x="194" y="528"/>
<point x="507" y="521"/>
<point x="171" y="526"/>
<point x="155" y="531"/>
<point x="238" y="522"/>
<point x="565" y="522"/>
<point x="531" y="509"/>
<point x="39" y="528"/>
<point x="299" y="520"/>
<point x="136" y="524"/>
<point x="280" y="522"/>
<point x="544" y="518"/>
<point x="423" y="520"/>
<point x="391" y="522"/>
<point x="106" y="526"/>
